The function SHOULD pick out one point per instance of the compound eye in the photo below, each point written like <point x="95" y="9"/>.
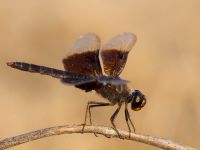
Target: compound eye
<point x="138" y="102"/>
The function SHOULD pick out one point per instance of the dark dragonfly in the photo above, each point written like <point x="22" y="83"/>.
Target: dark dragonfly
<point x="83" y="70"/>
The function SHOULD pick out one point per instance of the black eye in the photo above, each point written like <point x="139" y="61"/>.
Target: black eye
<point x="138" y="100"/>
<point x="136" y="103"/>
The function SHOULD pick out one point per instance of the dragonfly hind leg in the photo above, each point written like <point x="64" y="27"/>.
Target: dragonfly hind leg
<point x="92" y="104"/>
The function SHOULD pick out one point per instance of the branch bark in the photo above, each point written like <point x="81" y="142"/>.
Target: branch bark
<point x="106" y="131"/>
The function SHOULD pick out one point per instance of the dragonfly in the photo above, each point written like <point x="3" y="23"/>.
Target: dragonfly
<point x="90" y="66"/>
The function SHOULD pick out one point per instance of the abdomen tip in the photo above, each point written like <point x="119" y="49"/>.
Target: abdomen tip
<point x="10" y="63"/>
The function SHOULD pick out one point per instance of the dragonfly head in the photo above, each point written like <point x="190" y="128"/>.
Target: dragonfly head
<point x="137" y="100"/>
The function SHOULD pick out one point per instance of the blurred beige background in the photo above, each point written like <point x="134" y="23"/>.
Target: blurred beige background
<point x="164" y="64"/>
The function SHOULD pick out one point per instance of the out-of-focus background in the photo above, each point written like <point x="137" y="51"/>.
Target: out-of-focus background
<point x="164" y="64"/>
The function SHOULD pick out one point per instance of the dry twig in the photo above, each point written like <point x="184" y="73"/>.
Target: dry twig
<point x="106" y="131"/>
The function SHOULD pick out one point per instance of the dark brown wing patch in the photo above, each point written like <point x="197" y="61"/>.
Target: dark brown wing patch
<point x="114" y="61"/>
<point x="83" y="56"/>
<point x="115" y="52"/>
<point x="84" y="63"/>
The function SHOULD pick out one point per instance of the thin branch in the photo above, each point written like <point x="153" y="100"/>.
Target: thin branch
<point x="106" y="131"/>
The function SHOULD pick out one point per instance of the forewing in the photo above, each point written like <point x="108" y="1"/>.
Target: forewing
<point x="83" y="56"/>
<point x="76" y="78"/>
<point x="111" y="80"/>
<point x="115" y="52"/>
<point x="84" y="82"/>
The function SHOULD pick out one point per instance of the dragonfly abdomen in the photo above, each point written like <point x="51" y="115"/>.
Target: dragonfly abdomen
<point x="37" y="69"/>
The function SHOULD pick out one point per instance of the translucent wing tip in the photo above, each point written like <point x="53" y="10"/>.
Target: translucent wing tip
<point x="128" y="34"/>
<point x="89" y="37"/>
<point x="123" y="42"/>
<point x="86" y="42"/>
<point x="131" y="38"/>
